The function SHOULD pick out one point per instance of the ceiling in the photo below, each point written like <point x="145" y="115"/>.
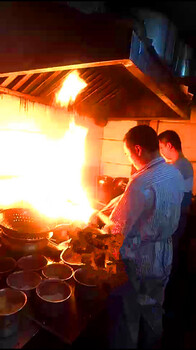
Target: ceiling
<point x="181" y="13"/>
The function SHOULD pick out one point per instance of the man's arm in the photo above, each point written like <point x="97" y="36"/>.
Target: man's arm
<point x="111" y="205"/>
<point x="129" y="208"/>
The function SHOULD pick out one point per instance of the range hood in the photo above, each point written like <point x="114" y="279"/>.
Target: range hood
<point x="125" y="77"/>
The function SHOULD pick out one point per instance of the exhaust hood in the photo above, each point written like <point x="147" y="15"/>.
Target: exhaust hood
<point x="125" y="77"/>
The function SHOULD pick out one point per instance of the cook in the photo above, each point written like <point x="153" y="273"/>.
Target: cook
<point x="146" y="214"/>
<point x="171" y="150"/>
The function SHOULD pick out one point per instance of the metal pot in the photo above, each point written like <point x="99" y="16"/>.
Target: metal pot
<point x="58" y="270"/>
<point x="53" y="295"/>
<point x="85" y="290"/>
<point x="34" y="262"/>
<point x="68" y="257"/>
<point x="7" y="265"/>
<point x="11" y="302"/>
<point x="27" y="281"/>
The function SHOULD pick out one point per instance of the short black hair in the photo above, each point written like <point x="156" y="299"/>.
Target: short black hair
<point x="142" y="135"/>
<point x="172" y="137"/>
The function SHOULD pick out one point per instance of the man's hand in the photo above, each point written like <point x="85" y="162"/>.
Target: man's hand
<point x="94" y="219"/>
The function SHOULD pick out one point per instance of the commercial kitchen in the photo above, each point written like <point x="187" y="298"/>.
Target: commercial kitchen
<point x="62" y="121"/>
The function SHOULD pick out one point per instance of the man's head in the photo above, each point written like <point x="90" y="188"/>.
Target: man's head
<point x="170" y="145"/>
<point x="141" y="145"/>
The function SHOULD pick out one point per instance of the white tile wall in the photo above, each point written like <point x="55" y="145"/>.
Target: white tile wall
<point x="187" y="132"/>
<point x="113" y="161"/>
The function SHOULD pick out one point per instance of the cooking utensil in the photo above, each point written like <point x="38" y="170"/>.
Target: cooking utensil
<point x="58" y="270"/>
<point x="26" y="281"/>
<point x="7" y="264"/>
<point x="23" y="223"/>
<point x="25" y="246"/>
<point x="85" y="288"/>
<point x="25" y="237"/>
<point x="34" y="262"/>
<point x="69" y="257"/>
<point x="26" y="231"/>
<point x="53" y="295"/>
<point x="11" y="302"/>
<point x="61" y="232"/>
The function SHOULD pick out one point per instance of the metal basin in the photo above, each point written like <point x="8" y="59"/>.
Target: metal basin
<point x="86" y="287"/>
<point x="11" y="302"/>
<point x="58" y="270"/>
<point x="53" y="295"/>
<point x="26" y="281"/>
<point x="34" y="262"/>
<point x="7" y="265"/>
<point x="70" y="258"/>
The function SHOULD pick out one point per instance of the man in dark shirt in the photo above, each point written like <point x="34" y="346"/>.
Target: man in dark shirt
<point x="171" y="150"/>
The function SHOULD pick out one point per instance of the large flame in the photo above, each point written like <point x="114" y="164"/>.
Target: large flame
<point x="72" y="86"/>
<point x="45" y="173"/>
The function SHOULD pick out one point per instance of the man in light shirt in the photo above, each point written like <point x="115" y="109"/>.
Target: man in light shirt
<point x="146" y="214"/>
<point x="171" y="150"/>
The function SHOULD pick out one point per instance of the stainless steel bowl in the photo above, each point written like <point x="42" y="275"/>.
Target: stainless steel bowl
<point x="53" y="290"/>
<point x="23" y="280"/>
<point x="7" y="265"/>
<point x="11" y="302"/>
<point x="85" y="288"/>
<point x="53" y="295"/>
<point x="70" y="258"/>
<point x="34" y="262"/>
<point x="58" y="270"/>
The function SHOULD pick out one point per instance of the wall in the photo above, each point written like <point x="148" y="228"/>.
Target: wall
<point x="187" y="132"/>
<point x="114" y="161"/>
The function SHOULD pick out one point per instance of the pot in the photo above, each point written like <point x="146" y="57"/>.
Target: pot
<point x="53" y="295"/>
<point x="11" y="303"/>
<point x="71" y="258"/>
<point x="84" y="288"/>
<point x="27" y="281"/>
<point x="58" y="270"/>
<point x="34" y="262"/>
<point x="7" y="265"/>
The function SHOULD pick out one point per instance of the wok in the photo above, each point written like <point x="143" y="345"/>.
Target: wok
<point x="25" y="230"/>
<point x="25" y="246"/>
<point x="23" y="223"/>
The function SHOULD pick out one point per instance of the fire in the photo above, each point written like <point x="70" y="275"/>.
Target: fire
<point x="45" y="173"/>
<point x="72" y="86"/>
